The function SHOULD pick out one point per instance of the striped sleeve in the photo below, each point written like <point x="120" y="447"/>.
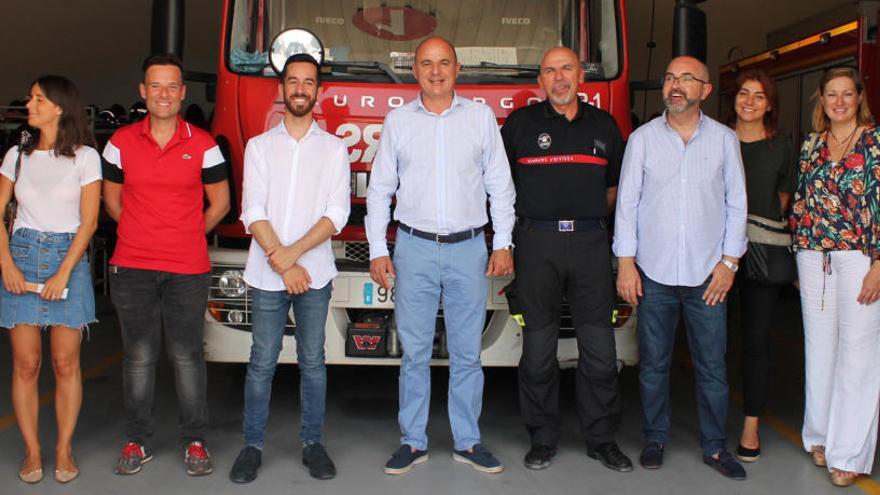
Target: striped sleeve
<point x="111" y="163"/>
<point x="213" y="166"/>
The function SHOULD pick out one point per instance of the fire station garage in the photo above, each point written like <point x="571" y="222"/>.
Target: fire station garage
<point x="757" y="379"/>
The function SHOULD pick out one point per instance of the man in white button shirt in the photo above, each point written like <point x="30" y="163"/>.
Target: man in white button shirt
<point x="296" y="194"/>
<point x="441" y="155"/>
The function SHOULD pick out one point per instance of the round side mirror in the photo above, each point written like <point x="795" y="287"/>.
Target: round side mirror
<point x="292" y="42"/>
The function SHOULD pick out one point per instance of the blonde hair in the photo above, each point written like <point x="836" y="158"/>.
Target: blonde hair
<point x="821" y="122"/>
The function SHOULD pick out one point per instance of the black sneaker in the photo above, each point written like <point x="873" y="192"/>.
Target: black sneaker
<point x="479" y="458"/>
<point x="132" y="459"/>
<point x="610" y="455"/>
<point x="539" y="457"/>
<point x="244" y="469"/>
<point x="652" y="456"/>
<point x="316" y="459"/>
<point x="726" y="465"/>
<point x="197" y="459"/>
<point x="404" y="458"/>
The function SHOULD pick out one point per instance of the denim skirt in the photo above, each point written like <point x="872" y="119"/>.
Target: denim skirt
<point x="38" y="255"/>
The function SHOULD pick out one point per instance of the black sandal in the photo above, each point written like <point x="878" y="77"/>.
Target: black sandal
<point x="746" y="454"/>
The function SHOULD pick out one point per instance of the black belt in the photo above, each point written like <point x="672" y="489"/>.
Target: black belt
<point x="581" y="225"/>
<point x="441" y="238"/>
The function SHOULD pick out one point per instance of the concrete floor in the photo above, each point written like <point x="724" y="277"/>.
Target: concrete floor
<point x="361" y="432"/>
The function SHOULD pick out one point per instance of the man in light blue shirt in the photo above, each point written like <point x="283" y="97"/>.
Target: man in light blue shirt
<point x="441" y="155"/>
<point x="680" y="229"/>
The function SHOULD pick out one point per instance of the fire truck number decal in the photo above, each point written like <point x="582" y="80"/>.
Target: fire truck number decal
<point x="596" y="100"/>
<point x="368" y="136"/>
<point x="351" y="135"/>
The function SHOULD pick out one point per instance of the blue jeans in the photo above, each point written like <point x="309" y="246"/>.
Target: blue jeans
<point x="428" y="272"/>
<point x="270" y="310"/>
<point x="707" y="339"/>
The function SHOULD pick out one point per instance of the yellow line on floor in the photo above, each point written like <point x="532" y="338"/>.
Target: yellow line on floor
<point x="866" y="484"/>
<point x="95" y="371"/>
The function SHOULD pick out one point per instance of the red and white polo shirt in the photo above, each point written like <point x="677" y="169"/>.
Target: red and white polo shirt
<point x="162" y="225"/>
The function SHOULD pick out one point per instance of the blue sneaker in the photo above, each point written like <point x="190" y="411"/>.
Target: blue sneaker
<point x="726" y="465"/>
<point x="480" y="459"/>
<point x="404" y="458"/>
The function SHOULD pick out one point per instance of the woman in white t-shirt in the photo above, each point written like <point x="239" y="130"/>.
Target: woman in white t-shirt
<point x="45" y="271"/>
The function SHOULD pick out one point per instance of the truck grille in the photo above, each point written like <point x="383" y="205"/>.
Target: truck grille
<point x="360" y="251"/>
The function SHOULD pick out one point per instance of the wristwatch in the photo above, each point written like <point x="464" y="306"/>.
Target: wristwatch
<point x="730" y="265"/>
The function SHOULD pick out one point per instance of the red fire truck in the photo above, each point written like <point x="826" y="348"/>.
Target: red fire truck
<point x="367" y="48"/>
<point x="797" y="67"/>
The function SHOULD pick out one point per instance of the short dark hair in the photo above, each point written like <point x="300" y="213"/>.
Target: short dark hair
<point x="301" y="58"/>
<point x="162" y="59"/>
<point x="73" y="126"/>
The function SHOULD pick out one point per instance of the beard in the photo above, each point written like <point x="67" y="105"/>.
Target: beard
<point x="673" y="107"/>
<point x="562" y="100"/>
<point x="300" y="111"/>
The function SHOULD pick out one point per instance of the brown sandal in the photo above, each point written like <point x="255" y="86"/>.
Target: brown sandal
<point x="838" y="478"/>
<point x="818" y="453"/>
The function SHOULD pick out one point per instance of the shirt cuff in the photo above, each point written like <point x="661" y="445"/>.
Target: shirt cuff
<point x="338" y="217"/>
<point x="734" y="249"/>
<point x="501" y="241"/>
<point x="89" y="180"/>
<point x="112" y="172"/>
<point x="623" y="249"/>
<point x="378" y="250"/>
<point x="214" y="174"/>
<point x="249" y="217"/>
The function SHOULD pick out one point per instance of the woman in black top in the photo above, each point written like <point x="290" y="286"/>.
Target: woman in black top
<point x="769" y="162"/>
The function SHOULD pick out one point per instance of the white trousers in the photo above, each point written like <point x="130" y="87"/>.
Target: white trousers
<point x="842" y="347"/>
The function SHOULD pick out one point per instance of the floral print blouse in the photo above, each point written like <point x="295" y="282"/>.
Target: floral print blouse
<point x="836" y="205"/>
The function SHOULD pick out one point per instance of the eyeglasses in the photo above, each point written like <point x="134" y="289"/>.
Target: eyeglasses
<point x="683" y="79"/>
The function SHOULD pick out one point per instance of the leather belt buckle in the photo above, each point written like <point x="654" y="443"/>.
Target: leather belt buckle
<point x="566" y="226"/>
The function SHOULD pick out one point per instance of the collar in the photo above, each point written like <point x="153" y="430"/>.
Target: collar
<point x="551" y="113"/>
<point x="184" y="130"/>
<point x="456" y="102"/>
<point x="280" y="128"/>
<point x="668" y="127"/>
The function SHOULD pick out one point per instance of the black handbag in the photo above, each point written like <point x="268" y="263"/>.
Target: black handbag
<point x="769" y="259"/>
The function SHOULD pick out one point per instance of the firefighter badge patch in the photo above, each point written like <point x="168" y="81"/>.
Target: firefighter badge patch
<point x="544" y="141"/>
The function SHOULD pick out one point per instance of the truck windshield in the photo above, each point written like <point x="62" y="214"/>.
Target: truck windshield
<point x="374" y="40"/>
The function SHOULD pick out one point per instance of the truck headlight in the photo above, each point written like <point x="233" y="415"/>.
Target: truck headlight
<point x="236" y="317"/>
<point x="232" y="283"/>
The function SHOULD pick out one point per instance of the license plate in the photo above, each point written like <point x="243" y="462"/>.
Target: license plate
<point x="373" y="293"/>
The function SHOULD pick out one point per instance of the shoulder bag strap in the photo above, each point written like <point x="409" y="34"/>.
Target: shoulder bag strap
<point x="12" y="207"/>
